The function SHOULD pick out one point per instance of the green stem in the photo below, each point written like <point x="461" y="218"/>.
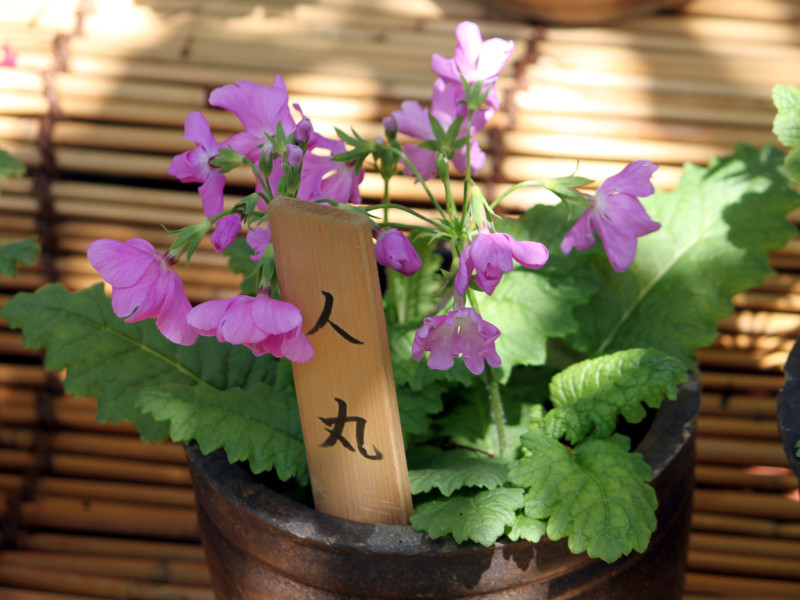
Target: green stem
<point x="497" y="412"/>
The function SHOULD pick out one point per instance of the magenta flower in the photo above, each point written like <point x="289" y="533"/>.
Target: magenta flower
<point x="395" y="251"/>
<point x="194" y="165"/>
<point x="446" y="106"/>
<point x="461" y="332"/>
<point x="143" y="286"/>
<point x="617" y="216"/>
<point x="262" y="324"/>
<point x="490" y="255"/>
<point x="259" y="108"/>
<point x="9" y="56"/>
<point x="475" y="59"/>
<point x="258" y="239"/>
<point x="226" y="230"/>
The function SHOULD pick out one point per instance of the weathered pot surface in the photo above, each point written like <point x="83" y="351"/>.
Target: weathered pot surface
<point x="789" y="409"/>
<point x="260" y="544"/>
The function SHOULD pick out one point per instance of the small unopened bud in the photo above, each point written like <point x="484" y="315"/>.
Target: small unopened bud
<point x="303" y="131"/>
<point x="265" y="158"/>
<point x="390" y="126"/>
<point x="294" y="155"/>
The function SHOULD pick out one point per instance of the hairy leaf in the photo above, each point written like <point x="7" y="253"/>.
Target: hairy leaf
<point x="10" y="165"/>
<point x="12" y="252"/>
<point x="454" y="469"/>
<point x="125" y="363"/>
<point x="526" y="528"/>
<point x="482" y="516"/>
<point x="588" y="396"/>
<point x="786" y="125"/>
<point x="595" y="495"/>
<point x="259" y="425"/>
<point x="717" y="229"/>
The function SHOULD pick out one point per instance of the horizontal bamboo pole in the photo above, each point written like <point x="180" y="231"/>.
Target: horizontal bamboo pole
<point x="733" y="427"/>
<point x="762" y="323"/>
<point x="767" y="10"/>
<point x="736" y="587"/>
<point x="744" y="545"/>
<point x="744" y="478"/>
<point x="736" y="451"/>
<point x="141" y="569"/>
<point x="742" y="382"/>
<point x="109" y="546"/>
<point x="738" y="525"/>
<point x="746" y="360"/>
<point x="137" y="492"/>
<point x="117" y="469"/>
<point x="96" y="586"/>
<point x="110" y="517"/>
<point x="97" y="444"/>
<point x="8" y="593"/>
<point x="740" y="405"/>
<point x="21" y="375"/>
<point x="767" y="567"/>
<point x="63" y="417"/>
<point x="747" y="504"/>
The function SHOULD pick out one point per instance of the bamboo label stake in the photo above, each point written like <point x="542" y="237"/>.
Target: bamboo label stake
<point x="348" y="405"/>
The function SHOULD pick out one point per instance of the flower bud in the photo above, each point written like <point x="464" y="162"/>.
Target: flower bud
<point x="303" y="131"/>
<point x="265" y="158"/>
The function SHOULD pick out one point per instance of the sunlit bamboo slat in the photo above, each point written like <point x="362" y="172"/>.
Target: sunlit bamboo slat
<point x="109" y="546"/>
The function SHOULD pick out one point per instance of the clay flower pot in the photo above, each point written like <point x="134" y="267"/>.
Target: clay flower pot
<point x="260" y="544"/>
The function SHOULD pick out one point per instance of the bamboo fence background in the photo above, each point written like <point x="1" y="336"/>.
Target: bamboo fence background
<point x="95" y="108"/>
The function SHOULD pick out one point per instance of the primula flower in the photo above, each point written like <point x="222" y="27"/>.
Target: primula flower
<point x="394" y="250"/>
<point x="475" y="59"/>
<point x="260" y="108"/>
<point x="490" y="255"/>
<point x="227" y="229"/>
<point x="617" y="216"/>
<point x="143" y="286"/>
<point x="446" y="106"/>
<point x="461" y="332"/>
<point x="262" y="324"/>
<point x="258" y="239"/>
<point x="194" y="165"/>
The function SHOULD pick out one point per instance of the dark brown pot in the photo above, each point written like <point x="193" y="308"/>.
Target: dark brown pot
<point x="789" y="409"/>
<point x="261" y="545"/>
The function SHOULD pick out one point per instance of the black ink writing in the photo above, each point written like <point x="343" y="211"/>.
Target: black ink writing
<point x="325" y="318"/>
<point x="335" y="428"/>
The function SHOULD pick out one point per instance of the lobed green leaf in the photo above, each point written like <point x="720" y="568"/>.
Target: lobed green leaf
<point x="596" y="495"/>
<point x="13" y="252"/>
<point x="589" y="396"/>
<point x="455" y="469"/>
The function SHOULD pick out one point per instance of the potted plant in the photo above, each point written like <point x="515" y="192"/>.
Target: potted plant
<point x="546" y="382"/>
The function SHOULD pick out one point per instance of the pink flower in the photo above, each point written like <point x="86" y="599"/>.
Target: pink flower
<point x="461" y="332"/>
<point x="260" y="109"/>
<point x="258" y="239"/>
<point x="227" y="229"/>
<point x="194" y="165"/>
<point x="492" y="254"/>
<point x="475" y="59"/>
<point x="262" y="324"/>
<point x="393" y="250"/>
<point x="143" y="286"/>
<point x="446" y="106"/>
<point x="617" y="216"/>
<point x="9" y="56"/>
<point x="338" y="181"/>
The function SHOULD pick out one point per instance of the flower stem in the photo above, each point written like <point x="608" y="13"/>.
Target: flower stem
<point x="497" y="412"/>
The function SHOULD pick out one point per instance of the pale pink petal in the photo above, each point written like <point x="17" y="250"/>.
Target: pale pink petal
<point x="121" y="263"/>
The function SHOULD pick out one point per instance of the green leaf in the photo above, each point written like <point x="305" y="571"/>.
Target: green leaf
<point x="482" y="516"/>
<point x="238" y="254"/>
<point x="718" y="228"/>
<point x="454" y="469"/>
<point x="786" y="125"/>
<point x="416" y="405"/>
<point x="590" y="395"/>
<point x="595" y="495"/>
<point x="526" y="528"/>
<point x="125" y="363"/>
<point x="17" y="251"/>
<point x="10" y="166"/>
<point x="259" y="425"/>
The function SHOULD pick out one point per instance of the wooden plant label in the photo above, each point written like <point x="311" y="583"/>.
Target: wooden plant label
<point x="348" y="404"/>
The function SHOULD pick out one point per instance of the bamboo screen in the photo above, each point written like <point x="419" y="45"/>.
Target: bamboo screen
<point x="94" y="105"/>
